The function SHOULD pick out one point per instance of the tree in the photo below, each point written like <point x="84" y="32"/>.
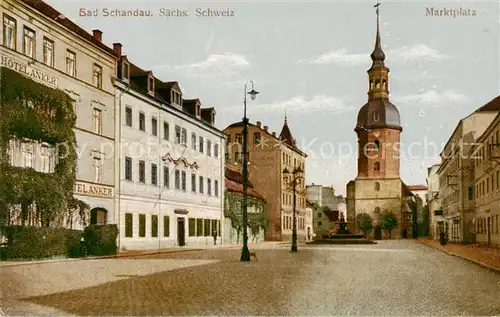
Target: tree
<point x="388" y="222"/>
<point x="365" y="223"/>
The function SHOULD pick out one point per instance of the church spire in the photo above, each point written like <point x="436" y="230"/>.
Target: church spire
<point x="285" y="116"/>
<point x="378" y="55"/>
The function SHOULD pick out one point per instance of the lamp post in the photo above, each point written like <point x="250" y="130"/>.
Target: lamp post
<point x="296" y="174"/>
<point x="245" y="254"/>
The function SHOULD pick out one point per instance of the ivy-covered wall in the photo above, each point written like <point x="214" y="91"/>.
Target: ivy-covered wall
<point x="257" y="221"/>
<point x="29" y="110"/>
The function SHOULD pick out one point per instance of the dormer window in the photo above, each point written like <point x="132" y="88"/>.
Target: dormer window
<point x="375" y="116"/>
<point x="176" y="97"/>
<point x="126" y="71"/>
<point x="151" y="84"/>
<point x="198" y="110"/>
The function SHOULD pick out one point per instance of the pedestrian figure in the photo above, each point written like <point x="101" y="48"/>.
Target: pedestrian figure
<point x="215" y="237"/>
<point x="442" y="238"/>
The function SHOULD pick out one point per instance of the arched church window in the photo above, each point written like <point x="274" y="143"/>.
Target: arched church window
<point x="375" y="116"/>
<point x="377" y="186"/>
<point x="377" y="144"/>
<point x="384" y="84"/>
<point x="377" y="84"/>
<point x="376" y="166"/>
<point x="371" y="84"/>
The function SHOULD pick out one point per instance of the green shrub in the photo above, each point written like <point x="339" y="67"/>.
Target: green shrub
<point x="41" y="242"/>
<point x="101" y="240"/>
<point x="73" y="243"/>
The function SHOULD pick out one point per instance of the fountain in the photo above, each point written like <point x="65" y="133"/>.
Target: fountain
<point x="342" y="235"/>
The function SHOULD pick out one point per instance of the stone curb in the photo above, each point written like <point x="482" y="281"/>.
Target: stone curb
<point x="21" y="263"/>
<point x="485" y="265"/>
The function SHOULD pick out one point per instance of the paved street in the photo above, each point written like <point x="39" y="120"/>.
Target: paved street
<point x="391" y="278"/>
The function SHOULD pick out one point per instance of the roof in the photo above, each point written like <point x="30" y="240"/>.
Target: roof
<point x="416" y="187"/>
<point x="492" y="105"/>
<point x="55" y="15"/>
<point x="406" y="191"/>
<point x="286" y="134"/>
<point x="383" y="110"/>
<point x="234" y="184"/>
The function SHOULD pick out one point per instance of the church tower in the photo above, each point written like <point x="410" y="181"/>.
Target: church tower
<point x="378" y="126"/>
<point x="377" y="187"/>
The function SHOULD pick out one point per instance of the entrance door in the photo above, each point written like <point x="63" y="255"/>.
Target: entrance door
<point x="181" y="238"/>
<point x="489" y="230"/>
<point x="378" y="233"/>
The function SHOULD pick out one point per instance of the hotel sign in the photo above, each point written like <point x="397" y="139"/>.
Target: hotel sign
<point x="25" y="69"/>
<point x="94" y="190"/>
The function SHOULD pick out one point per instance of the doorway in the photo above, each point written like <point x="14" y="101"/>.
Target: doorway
<point x="181" y="230"/>
<point x="378" y="233"/>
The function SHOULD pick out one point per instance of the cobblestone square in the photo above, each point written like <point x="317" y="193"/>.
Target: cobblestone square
<point x="393" y="278"/>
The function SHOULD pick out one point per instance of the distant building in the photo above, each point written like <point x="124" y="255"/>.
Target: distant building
<point x="436" y="220"/>
<point x="268" y="156"/>
<point x="420" y="191"/>
<point x="326" y="212"/>
<point x="309" y="221"/>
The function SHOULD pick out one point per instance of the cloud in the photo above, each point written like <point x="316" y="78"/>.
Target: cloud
<point x="418" y="52"/>
<point x="215" y="65"/>
<point x="432" y="98"/>
<point x="339" y="57"/>
<point x="301" y="104"/>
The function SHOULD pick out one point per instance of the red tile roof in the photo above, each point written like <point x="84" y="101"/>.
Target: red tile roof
<point x="492" y="105"/>
<point x="237" y="188"/>
<point x="416" y="187"/>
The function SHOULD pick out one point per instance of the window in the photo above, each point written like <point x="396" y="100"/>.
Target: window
<point x="48" y="52"/>
<point x="166" y="176"/>
<point x="166" y="131"/>
<point x="129" y="225"/>
<point x="193" y="141"/>
<point x="377" y="210"/>
<point x="206" y="223"/>
<point x="126" y="71"/>
<point x="70" y="63"/>
<point x="238" y="157"/>
<point x="375" y="116"/>
<point x="200" y="182"/>
<point x="97" y="76"/>
<point x="377" y="84"/>
<point x="183" y="174"/>
<point x="9" y="32"/>
<point x="239" y="138"/>
<point x="377" y="144"/>
<point x="176" y="98"/>
<point x="142" y="121"/>
<point x="177" y="134"/>
<point x="27" y="155"/>
<point x="376" y="166"/>
<point x="154" y="126"/>
<point x="97" y="121"/>
<point x="154" y="174"/>
<point x="229" y="139"/>
<point x="199" y="227"/>
<point x="142" y="225"/>
<point x="45" y="156"/>
<point x="193" y="183"/>
<point x="377" y="186"/>
<point x="209" y="148"/>
<point x="216" y="188"/>
<point x="151" y="84"/>
<point x="471" y="193"/>
<point x="128" y="168"/>
<point x="184" y="137"/>
<point x="201" y="144"/>
<point x="142" y="172"/>
<point x="192" y="227"/>
<point x="166" y="226"/>
<point x="216" y="150"/>
<point x="97" y="170"/>
<point x="154" y="226"/>
<point x="177" y="179"/>
<point x="29" y="42"/>
<point x="128" y="116"/>
<point x="256" y="138"/>
<point x="209" y="186"/>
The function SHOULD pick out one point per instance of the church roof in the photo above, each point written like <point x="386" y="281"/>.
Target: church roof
<point x="378" y="113"/>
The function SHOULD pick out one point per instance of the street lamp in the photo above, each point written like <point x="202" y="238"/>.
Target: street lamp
<point x="245" y="254"/>
<point x="296" y="174"/>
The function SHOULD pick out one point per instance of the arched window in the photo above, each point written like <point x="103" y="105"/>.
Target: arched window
<point x="371" y="84"/>
<point x="384" y="84"/>
<point x="377" y="186"/>
<point x="377" y="210"/>
<point x="376" y="166"/>
<point x="98" y="216"/>
<point x="375" y="116"/>
<point x="377" y="84"/>
<point x="377" y="144"/>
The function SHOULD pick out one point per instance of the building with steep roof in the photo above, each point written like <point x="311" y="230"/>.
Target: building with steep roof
<point x="378" y="187"/>
<point x="268" y="155"/>
<point x="170" y="162"/>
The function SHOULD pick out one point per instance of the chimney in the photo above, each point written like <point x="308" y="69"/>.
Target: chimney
<point x="117" y="47"/>
<point x="97" y="35"/>
<point x="259" y="123"/>
<point x="274" y="134"/>
<point x="265" y="128"/>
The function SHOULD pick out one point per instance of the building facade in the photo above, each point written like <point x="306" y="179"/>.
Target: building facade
<point x="436" y="221"/>
<point x="456" y="174"/>
<point x="170" y="163"/>
<point x="326" y="213"/>
<point x="486" y="161"/>
<point x="378" y="187"/>
<point x="43" y="45"/>
<point x="268" y="156"/>
<point x="233" y="202"/>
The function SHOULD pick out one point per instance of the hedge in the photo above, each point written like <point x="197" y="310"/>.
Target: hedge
<point x="101" y="240"/>
<point x="41" y="242"/>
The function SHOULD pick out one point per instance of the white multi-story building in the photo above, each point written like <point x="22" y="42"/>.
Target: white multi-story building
<point x="170" y="167"/>
<point x="43" y="45"/>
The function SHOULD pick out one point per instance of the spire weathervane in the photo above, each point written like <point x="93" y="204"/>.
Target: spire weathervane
<point x="285" y="115"/>
<point x="376" y="6"/>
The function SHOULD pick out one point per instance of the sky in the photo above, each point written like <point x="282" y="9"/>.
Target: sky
<point x="310" y="59"/>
